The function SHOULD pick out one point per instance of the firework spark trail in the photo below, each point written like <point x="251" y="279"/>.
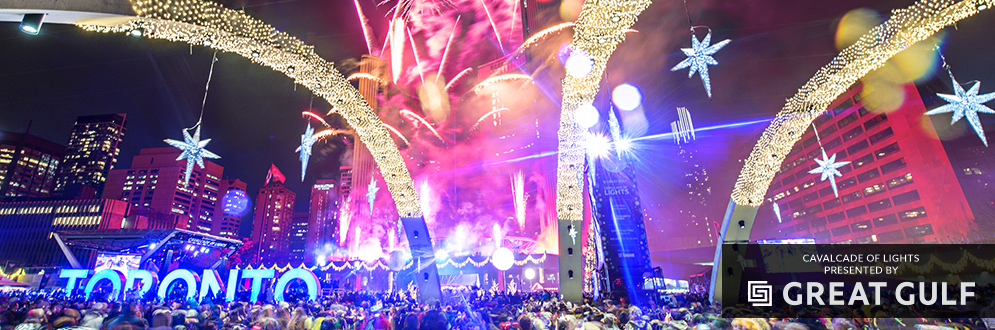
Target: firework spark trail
<point x="493" y="26"/>
<point x="414" y="49"/>
<point x="445" y="53"/>
<point x="477" y="124"/>
<point x="367" y="31"/>
<point x="518" y="191"/>
<point x="500" y="78"/>
<point x="306" y="114"/>
<point x="397" y="132"/>
<point x="457" y="78"/>
<point x="364" y="75"/>
<point x="423" y="121"/>
<point x="330" y="132"/>
<point x="396" y="46"/>
<point x="544" y="34"/>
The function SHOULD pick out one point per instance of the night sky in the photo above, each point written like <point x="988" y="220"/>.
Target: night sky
<point x="253" y="113"/>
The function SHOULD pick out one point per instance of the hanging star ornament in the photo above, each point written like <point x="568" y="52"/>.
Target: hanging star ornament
<point x="966" y="104"/>
<point x="371" y="192"/>
<point x="829" y="169"/>
<point x="193" y="151"/>
<point x="307" y="140"/>
<point x="699" y="57"/>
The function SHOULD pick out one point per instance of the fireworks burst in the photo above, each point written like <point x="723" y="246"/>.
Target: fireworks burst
<point x="410" y="114"/>
<point x="367" y="31"/>
<point x="501" y="78"/>
<point x="330" y="132"/>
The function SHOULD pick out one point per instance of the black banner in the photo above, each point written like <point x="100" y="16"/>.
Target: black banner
<point x="880" y="280"/>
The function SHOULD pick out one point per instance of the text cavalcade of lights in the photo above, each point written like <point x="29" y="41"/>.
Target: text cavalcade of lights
<point x="210" y="282"/>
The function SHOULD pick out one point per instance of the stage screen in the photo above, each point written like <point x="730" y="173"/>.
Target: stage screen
<point x="119" y="262"/>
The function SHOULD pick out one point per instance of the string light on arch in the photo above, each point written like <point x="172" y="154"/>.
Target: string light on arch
<point x="200" y="22"/>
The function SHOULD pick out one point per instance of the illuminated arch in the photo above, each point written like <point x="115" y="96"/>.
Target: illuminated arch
<point x="205" y="23"/>
<point x="905" y="27"/>
<point x="598" y="30"/>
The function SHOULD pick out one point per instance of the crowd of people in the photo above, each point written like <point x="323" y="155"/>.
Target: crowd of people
<point x="461" y="310"/>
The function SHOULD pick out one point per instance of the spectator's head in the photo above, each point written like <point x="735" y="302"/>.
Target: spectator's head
<point x="525" y="322"/>
<point x="36" y="315"/>
<point x="162" y="318"/>
<point x="434" y="320"/>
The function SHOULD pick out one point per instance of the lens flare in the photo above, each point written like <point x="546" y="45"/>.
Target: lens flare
<point x="627" y="97"/>
<point x="587" y="116"/>
<point x="597" y="145"/>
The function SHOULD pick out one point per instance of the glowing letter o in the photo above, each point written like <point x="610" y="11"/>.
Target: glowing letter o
<point x="305" y="275"/>
<point x="114" y="276"/>
<point x="179" y="274"/>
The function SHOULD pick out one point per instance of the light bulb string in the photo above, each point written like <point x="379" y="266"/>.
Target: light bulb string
<point x="203" y="104"/>
<point x="947" y="66"/>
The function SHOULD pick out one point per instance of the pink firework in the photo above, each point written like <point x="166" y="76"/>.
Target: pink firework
<point x="477" y="124"/>
<point x="457" y="78"/>
<point x="306" y="114"/>
<point x="398" y="133"/>
<point x="445" y="54"/>
<point x="363" y="75"/>
<point x="501" y="78"/>
<point x="411" y="114"/>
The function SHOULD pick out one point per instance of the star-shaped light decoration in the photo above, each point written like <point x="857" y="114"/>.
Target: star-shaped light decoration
<point x="371" y="192"/>
<point x="829" y="169"/>
<point x="966" y="104"/>
<point x="699" y="57"/>
<point x="307" y="140"/>
<point x="193" y="151"/>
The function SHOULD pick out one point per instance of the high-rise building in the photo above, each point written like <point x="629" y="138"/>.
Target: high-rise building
<point x="90" y="156"/>
<point x="271" y="222"/>
<point x="28" y="165"/>
<point x="155" y="180"/>
<point x="899" y="186"/>
<point x="691" y="225"/>
<point x="26" y="227"/>
<point x="298" y="238"/>
<point x="323" y="224"/>
<point x="225" y="224"/>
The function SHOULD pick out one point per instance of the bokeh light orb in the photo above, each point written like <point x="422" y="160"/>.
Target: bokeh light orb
<point x="530" y="273"/>
<point x="235" y="203"/>
<point x="503" y="259"/>
<point x="587" y="116"/>
<point x="397" y="260"/>
<point x="627" y="97"/>
<point x="579" y="64"/>
<point x="570" y="9"/>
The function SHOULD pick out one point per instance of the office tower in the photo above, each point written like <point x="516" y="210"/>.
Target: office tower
<point x="28" y="165"/>
<point x="899" y="187"/>
<point x="691" y="225"/>
<point x="26" y="228"/>
<point x="298" y="239"/>
<point x="90" y="156"/>
<point x="323" y="219"/>
<point x="226" y="225"/>
<point x="271" y="222"/>
<point x="356" y="176"/>
<point x="155" y="180"/>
